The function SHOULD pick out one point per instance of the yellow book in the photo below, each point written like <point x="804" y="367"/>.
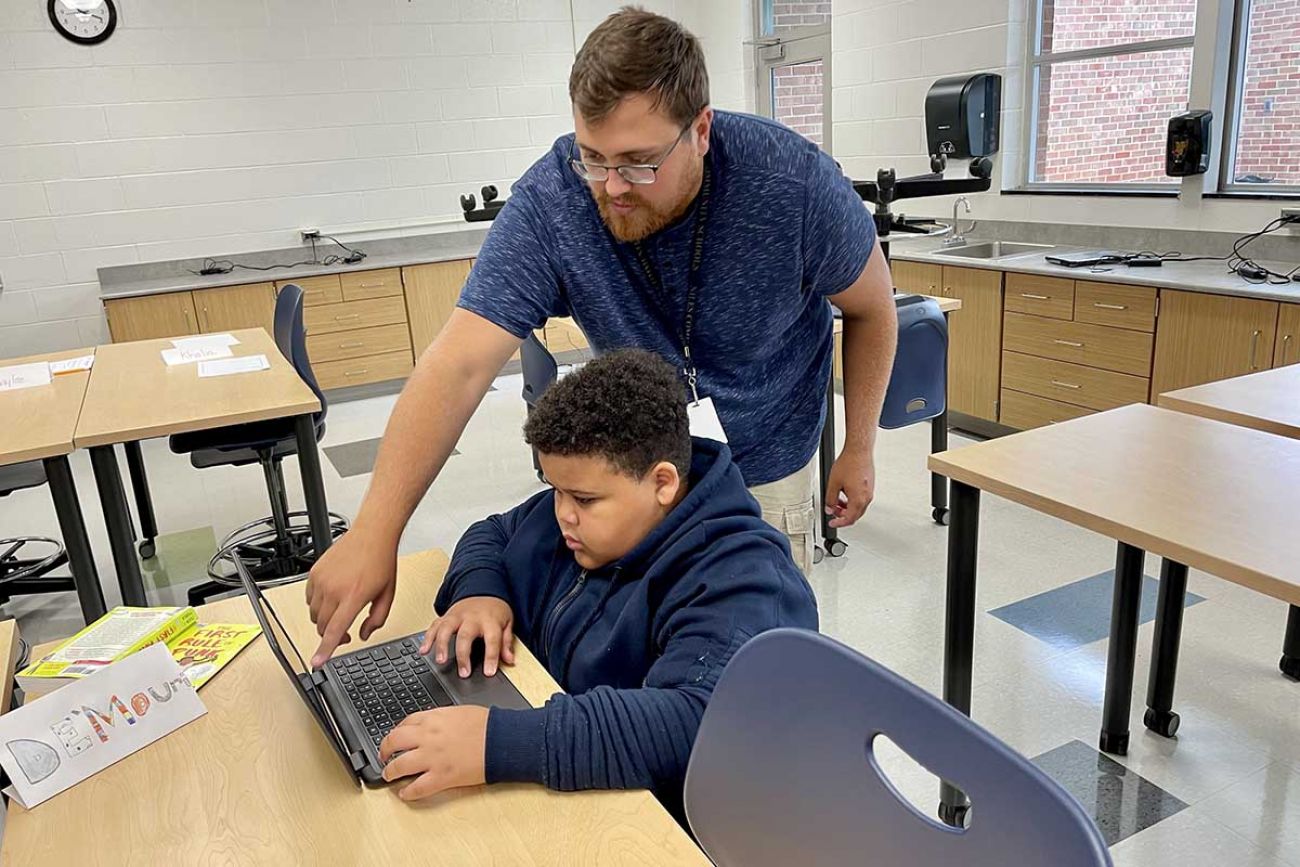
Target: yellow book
<point x="125" y="630"/>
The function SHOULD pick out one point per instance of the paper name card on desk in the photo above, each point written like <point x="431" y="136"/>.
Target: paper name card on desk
<point x="57" y="741"/>
<point x="192" y="354"/>
<point x="225" y="367"/>
<point x="17" y="376"/>
<point x="71" y="365"/>
<point x="199" y="341"/>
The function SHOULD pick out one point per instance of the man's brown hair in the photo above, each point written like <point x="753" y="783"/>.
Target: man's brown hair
<point x="635" y="51"/>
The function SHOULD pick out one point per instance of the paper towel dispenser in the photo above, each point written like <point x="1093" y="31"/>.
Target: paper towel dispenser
<point x="963" y="115"/>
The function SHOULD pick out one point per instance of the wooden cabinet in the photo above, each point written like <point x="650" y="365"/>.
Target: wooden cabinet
<point x="431" y="294"/>
<point x="1052" y="297"/>
<point x="151" y="316"/>
<point x="1202" y="338"/>
<point x="1024" y="411"/>
<point x="360" y="285"/>
<point x="324" y="289"/>
<point x="1132" y="307"/>
<point x="974" y="340"/>
<point x="917" y="277"/>
<point x="232" y="307"/>
<point x="1286" y="348"/>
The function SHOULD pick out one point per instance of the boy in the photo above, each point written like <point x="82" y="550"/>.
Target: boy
<point x="633" y="580"/>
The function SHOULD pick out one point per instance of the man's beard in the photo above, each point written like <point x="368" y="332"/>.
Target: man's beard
<point x="645" y="219"/>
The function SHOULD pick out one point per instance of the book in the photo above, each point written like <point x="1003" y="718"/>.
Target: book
<point x="201" y="650"/>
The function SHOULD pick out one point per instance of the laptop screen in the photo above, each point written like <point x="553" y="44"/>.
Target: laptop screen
<point x="294" y="667"/>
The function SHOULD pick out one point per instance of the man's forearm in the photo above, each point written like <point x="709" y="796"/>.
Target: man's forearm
<point x="869" y="344"/>
<point x="435" y="405"/>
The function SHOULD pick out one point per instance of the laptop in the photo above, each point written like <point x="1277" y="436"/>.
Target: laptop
<point x="1088" y="258"/>
<point x="358" y="697"/>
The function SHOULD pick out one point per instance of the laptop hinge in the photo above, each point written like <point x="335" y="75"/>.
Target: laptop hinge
<point x="356" y="759"/>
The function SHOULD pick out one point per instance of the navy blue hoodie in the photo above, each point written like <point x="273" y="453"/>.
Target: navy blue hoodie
<point x="638" y="644"/>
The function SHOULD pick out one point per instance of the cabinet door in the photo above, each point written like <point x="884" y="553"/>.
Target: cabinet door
<point x="431" y="295"/>
<point x="1286" y="349"/>
<point x="1203" y="338"/>
<point x="917" y="277"/>
<point x="974" y="340"/>
<point x="232" y="307"/>
<point x="151" y="316"/>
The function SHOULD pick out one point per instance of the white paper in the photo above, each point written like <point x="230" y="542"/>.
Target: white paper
<point x="704" y="420"/>
<point x="192" y="354"/>
<point x="71" y="734"/>
<point x="71" y="365"/>
<point x="17" y="376"/>
<point x="243" y="364"/>
<point x="199" y="341"/>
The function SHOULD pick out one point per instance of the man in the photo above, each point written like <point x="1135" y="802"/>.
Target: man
<point x="633" y="580"/>
<point x="711" y="239"/>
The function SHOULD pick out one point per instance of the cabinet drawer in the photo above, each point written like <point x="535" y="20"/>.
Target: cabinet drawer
<point x="1025" y="411"/>
<point x="351" y="315"/>
<point x="1132" y="307"/>
<point x="1041" y="296"/>
<point x="1080" y="342"/>
<point x="361" y="285"/>
<point x="359" y="343"/>
<point x="359" y="371"/>
<point x="315" y="290"/>
<point x="1072" y="383"/>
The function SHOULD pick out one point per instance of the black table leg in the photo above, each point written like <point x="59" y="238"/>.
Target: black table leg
<point x="143" y="499"/>
<point x="939" y="443"/>
<point x="831" y="543"/>
<point x="1290" y="662"/>
<point x="73" y="528"/>
<point x="117" y="518"/>
<point x="1122" y="654"/>
<point x="1160" y="717"/>
<point x="313" y="485"/>
<point x="959" y="626"/>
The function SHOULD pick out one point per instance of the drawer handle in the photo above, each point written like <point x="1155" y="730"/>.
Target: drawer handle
<point x="356" y="345"/>
<point x="1035" y="297"/>
<point x="348" y="316"/>
<point x="372" y="285"/>
<point x="1254" y="343"/>
<point x="1065" y="384"/>
<point x="1076" y="344"/>
<point x="1286" y="339"/>
<point x="1110" y="306"/>
<point x="361" y="372"/>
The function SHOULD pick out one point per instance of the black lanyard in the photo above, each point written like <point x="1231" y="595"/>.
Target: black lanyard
<point x="692" y="276"/>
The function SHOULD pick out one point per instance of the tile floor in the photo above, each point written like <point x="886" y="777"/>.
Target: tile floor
<point x="1224" y="793"/>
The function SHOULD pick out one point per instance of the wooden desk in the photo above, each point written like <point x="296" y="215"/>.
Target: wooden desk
<point x="1199" y="493"/>
<point x="8" y="661"/>
<point x="39" y="424"/>
<point x="1267" y="401"/>
<point x="134" y="395"/>
<point x="255" y="782"/>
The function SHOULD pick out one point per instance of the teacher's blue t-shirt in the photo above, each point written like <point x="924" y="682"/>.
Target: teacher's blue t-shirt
<point x="784" y="230"/>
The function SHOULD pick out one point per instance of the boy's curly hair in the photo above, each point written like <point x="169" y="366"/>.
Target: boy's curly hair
<point x="628" y="406"/>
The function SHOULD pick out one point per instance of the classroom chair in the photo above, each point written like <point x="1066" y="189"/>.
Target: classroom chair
<point x="540" y="371"/>
<point x="277" y="548"/>
<point x="783" y="771"/>
<point x="27" y="561"/>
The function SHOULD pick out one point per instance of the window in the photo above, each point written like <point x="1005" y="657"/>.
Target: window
<point x="793" y="58"/>
<point x="1105" y="77"/>
<point x="1264" y="103"/>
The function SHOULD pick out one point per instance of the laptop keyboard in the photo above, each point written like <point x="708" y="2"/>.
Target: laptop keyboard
<point x="387" y="683"/>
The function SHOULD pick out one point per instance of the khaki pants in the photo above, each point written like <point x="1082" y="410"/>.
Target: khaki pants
<point x="788" y="504"/>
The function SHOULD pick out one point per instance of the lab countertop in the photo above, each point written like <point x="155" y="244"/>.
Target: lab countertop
<point x="1211" y="277"/>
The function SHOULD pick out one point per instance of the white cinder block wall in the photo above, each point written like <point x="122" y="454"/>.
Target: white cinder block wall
<point x="887" y="53"/>
<point x="205" y="128"/>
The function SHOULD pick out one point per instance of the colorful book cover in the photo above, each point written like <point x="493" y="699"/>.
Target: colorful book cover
<point x="118" y="634"/>
<point x="205" y="650"/>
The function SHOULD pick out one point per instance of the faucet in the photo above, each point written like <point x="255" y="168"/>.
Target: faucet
<point x="957" y="237"/>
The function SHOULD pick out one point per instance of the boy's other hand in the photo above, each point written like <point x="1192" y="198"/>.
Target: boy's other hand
<point x="485" y="617"/>
<point x="442" y="748"/>
<point x="356" y="571"/>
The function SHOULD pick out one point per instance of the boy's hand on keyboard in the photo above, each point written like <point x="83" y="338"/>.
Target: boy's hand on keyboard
<point x="485" y="617"/>
<point x="442" y="748"/>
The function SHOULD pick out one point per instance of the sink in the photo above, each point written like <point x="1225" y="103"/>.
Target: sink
<point x="994" y="250"/>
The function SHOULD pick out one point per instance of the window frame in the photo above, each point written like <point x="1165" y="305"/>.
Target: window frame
<point x="1232" y="116"/>
<point x="796" y="45"/>
<point x="1036" y="61"/>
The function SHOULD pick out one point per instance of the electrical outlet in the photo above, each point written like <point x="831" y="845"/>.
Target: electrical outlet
<point x="309" y="235"/>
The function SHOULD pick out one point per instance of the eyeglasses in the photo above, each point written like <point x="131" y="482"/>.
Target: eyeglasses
<point x="634" y="174"/>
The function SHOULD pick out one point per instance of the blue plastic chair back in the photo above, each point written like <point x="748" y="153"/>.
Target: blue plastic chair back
<point x="783" y="772"/>
<point x="918" y="385"/>
<point x="291" y="338"/>
<point x="539" y="369"/>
